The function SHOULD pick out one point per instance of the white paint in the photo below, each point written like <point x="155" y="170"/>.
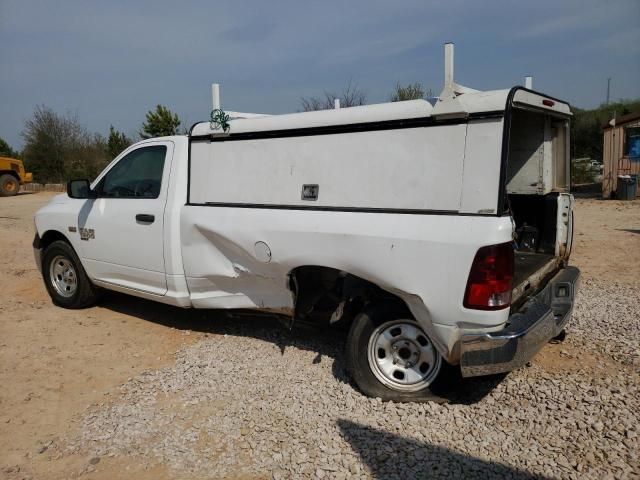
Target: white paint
<point x="263" y="252"/>
<point x="462" y="106"/>
<point x="425" y="259"/>
<point x="481" y="173"/>
<point x="449" y="105"/>
<point x="236" y="115"/>
<point x="125" y="251"/>
<point x="229" y="257"/>
<point x="533" y="159"/>
<point x="448" y="67"/>
<point x="323" y="118"/>
<point x="564" y="225"/>
<point x="215" y="96"/>
<point x="522" y="97"/>
<point x="528" y="82"/>
<point x="417" y="168"/>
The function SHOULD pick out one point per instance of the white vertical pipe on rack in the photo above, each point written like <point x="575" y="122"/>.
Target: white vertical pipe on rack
<point x="448" y="66"/>
<point x="215" y="96"/>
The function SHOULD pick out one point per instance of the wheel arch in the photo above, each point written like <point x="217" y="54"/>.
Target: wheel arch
<point x="87" y="293"/>
<point x="322" y="288"/>
<point x="10" y="172"/>
<point x="50" y="236"/>
<point x="41" y="242"/>
<point x="327" y="295"/>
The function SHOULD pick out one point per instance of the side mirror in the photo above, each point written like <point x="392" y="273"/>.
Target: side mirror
<point x="79" y="189"/>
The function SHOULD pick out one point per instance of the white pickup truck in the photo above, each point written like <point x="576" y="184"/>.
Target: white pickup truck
<point x="438" y="234"/>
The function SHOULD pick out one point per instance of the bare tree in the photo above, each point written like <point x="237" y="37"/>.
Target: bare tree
<point x="352" y="96"/>
<point x="310" y="104"/>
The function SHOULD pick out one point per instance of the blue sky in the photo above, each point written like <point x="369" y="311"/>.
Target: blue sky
<point x="109" y="62"/>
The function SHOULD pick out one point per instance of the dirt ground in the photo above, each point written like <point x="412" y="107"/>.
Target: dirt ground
<point x="55" y="363"/>
<point x="607" y="239"/>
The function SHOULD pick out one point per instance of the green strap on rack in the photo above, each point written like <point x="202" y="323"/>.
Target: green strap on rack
<point x="219" y="119"/>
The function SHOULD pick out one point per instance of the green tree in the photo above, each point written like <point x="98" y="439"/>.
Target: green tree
<point x="160" y="122"/>
<point x="411" y="91"/>
<point x="6" y="150"/>
<point x="117" y="142"/>
<point x="48" y="136"/>
<point x="58" y="148"/>
<point x="86" y="158"/>
<point x="586" y="127"/>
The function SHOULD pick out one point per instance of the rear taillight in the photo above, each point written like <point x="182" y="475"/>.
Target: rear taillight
<point x="489" y="284"/>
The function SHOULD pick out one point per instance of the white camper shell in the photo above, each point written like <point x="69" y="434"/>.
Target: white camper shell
<point x="454" y="159"/>
<point x="436" y="234"/>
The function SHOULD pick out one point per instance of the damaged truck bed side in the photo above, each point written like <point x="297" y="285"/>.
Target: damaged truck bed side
<point x="437" y="234"/>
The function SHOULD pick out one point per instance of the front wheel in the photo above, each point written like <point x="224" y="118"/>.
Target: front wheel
<point x="390" y="356"/>
<point x="65" y="279"/>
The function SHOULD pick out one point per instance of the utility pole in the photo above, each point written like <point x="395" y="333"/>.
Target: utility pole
<point x="608" y="89"/>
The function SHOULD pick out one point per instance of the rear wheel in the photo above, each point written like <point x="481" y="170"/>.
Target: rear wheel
<point x="9" y="185"/>
<point x="390" y="356"/>
<point x="65" y="279"/>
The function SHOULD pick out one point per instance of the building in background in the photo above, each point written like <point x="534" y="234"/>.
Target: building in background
<point x="621" y="151"/>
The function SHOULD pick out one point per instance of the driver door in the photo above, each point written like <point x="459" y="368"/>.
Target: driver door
<point x="122" y="229"/>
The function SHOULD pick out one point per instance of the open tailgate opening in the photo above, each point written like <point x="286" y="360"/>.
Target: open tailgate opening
<point x="537" y="185"/>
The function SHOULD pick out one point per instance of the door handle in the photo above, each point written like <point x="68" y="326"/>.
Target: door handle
<point x="145" y="217"/>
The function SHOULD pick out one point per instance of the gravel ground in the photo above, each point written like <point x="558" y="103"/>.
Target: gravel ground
<point x="253" y="400"/>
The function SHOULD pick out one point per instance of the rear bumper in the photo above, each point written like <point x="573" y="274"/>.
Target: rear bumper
<point x="540" y="319"/>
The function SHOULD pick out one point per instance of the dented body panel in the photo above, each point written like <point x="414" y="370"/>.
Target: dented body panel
<point x="423" y="259"/>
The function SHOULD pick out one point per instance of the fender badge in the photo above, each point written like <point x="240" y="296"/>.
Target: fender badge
<point x="87" y="234"/>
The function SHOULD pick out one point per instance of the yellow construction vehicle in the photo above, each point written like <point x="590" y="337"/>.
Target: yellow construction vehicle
<point x="12" y="175"/>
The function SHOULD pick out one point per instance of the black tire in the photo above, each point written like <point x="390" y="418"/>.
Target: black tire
<point x="363" y="327"/>
<point x="9" y="185"/>
<point x="85" y="293"/>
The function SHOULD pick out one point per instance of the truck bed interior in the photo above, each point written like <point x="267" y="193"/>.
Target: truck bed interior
<point x="528" y="263"/>
<point x="537" y="172"/>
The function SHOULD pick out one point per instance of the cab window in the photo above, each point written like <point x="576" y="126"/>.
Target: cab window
<point x="136" y="175"/>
